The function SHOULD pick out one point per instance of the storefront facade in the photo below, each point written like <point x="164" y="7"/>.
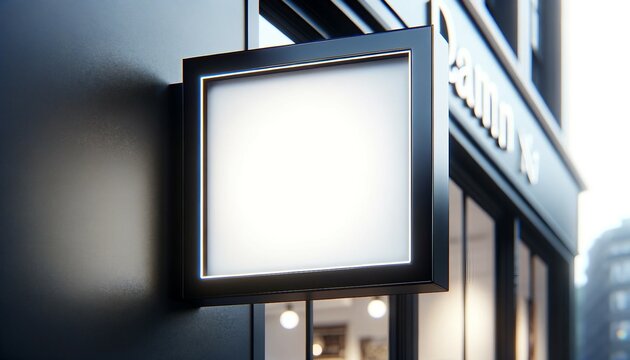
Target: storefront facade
<point x="513" y="191"/>
<point x="90" y="142"/>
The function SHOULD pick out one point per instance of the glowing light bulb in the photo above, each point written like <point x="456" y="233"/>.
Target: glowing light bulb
<point x="377" y="308"/>
<point x="289" y="319"/>
<point x="317" y="349"/>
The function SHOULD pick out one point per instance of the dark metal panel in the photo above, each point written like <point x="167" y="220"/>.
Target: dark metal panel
<point x="403" y="327"/>
<point x="285" y="19"/>
<point x="258" y="331"/>
<point x="328" y="18"/>
<point x="547" y="74"/>
<point x="506" y="303"/>
<point x="365" y="15"/>
<point x="309" y="330"/>
<point x="304" y="20"/>
<point x="89" y="160"/>
<point x="505" y="14"/>
<point x="439" y="65"/>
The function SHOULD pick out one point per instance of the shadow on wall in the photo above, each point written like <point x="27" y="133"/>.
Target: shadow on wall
<point x="94" y="215"/>
<point x="90" y="159"/>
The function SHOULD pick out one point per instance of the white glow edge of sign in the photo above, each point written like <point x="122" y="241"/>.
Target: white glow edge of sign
<point x="202" y="79"/>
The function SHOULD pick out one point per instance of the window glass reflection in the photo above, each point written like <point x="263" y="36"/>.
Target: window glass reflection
<point x="441" y="315"/>
<point x="285" y="331"/>
<point x="523" y="299"/>
<point x="480" y="284"/>
<point x="531" y="304"/>
<point x="461" y="323"/>
<point x="351" y="329"/>
<point x="540" y="308"/>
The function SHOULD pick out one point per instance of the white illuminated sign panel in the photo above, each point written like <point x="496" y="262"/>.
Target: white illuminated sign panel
<point x="308" y="169"/>
<point x="316" y="170"/>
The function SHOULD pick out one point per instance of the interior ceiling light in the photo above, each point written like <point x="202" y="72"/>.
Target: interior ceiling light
<point x="377" y="308"/>
<point x="289" y="319"/>
<point x="317" y="349"/>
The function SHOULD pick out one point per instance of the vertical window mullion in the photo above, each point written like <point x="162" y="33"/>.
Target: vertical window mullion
<point x="403" y="327"/>
<point x="506" y="260"/>
<point x="464" y="266"/>
<point x="257" y="331"/>
<point x="309" y="330"/>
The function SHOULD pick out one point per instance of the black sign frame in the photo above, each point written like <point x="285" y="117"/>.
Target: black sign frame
<point x="428" y="268"/>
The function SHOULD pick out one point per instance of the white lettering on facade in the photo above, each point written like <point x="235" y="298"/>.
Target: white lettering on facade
<point x="530" y="159"/>
<point x="474" y="87"/>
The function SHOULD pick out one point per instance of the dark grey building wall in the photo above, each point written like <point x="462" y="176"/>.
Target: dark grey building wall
<point x="88" y="165"/>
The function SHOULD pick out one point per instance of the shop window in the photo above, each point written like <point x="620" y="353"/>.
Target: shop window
<point x="461" y="323"/>
<point x="620" y="300"/>
<point x="535" y="44"/>
<point x="504" y="13"/>
<point x="480" y="284"/>
<point x="523" y="300"/>
<point x="351" y="329"/>
<point x="539" y="326"/>
<point x="620" y="272"/>
<point x="544" y="45"/>
<point x="285" y="331"/>
<point x="441" y="315"/>
<point x="531" y="304"/>
<point x="534" y="26"/>
<point x="620" y="331"/>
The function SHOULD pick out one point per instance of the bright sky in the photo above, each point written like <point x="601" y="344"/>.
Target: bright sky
<point x="597" y="108"/>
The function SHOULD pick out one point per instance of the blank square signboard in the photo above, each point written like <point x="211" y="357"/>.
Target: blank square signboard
<point x="304" y="164"/>
<point x="309" y="177"/>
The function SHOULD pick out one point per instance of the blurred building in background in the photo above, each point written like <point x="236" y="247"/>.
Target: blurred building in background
<point x="604" y="302"/>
